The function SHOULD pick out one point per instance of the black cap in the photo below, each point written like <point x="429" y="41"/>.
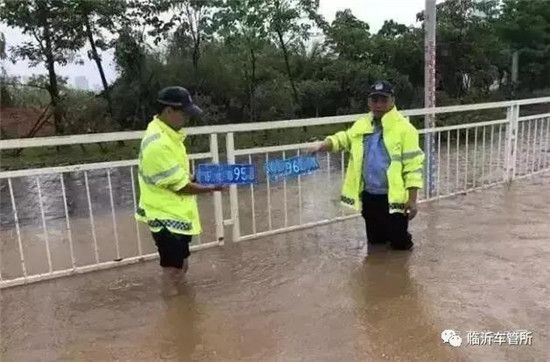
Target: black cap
<point x="381" y="87"/>
<point x="179" y="97"/>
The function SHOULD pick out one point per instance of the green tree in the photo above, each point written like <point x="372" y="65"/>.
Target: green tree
<point x="96" y="18"/>
<point x="291" y="24"/>
<point x="525" y="27"/>
<point x="243" y="26"/>
<point x="349" y="37"/>
<point x="469" y="53"/>
<point x="56" y="40"/>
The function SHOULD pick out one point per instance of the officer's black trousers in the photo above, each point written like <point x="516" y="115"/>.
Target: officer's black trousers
<point x="383" y="227"/>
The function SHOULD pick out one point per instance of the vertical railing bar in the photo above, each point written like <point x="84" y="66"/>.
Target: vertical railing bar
<point x="299" y="194"/>
<point x="113" y="213"/>
<point x="69" y="234"/>
<point x="269" y="222"/>
<point x="491" y="153"/>
<point x="252" y="200"/>
<point x="17" y="229"/>
<point x="457" y="160"/>
<point x="544" y="155"/>
<point x="285" y="201"/>
<point x="500" y="163"/>
<point x="475" y="158"/>
<point x="523" y="146"/>
<point x="466" y="162"/>
<point x="44" y="227"/>
<point x="427" y="167"/>
<point x="535" y="146"/>
<point x="542" y="144"/>
<point x="547" y="143"/>
<point x="438" y="162"/>
<point x="483" y="157"/>
<point x="541" y="140"/>
<point x="520" y="143"/>
<point x="217" y="197"/>
<point x="94" y="238"/>
<point x="449" y="161"/>
<point x="233" y="191"/>
<point x="540" y="161"/>
<point x="528" y="153"/>
<point x="342" y="172"/>
<point x="140" y="251"/>
<point x="514" y="154"/>
<point x="547" y="153"/>
<point x="193" y="165"/>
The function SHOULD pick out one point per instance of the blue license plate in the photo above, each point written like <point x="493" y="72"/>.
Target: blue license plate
<point x="212" y="174"/>
<point x="291" y="167"/>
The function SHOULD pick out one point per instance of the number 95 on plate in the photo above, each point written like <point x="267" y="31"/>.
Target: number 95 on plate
<point x="214" y="174"/>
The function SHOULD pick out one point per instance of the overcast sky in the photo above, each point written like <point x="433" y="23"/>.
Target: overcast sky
<point x="374" y="12"/>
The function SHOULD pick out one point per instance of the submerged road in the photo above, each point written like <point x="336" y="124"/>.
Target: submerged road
<point x="481" y="263"/>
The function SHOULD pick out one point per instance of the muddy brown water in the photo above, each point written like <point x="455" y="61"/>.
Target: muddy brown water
<point x="317" y="200"/>
<point x="480" y="264"/>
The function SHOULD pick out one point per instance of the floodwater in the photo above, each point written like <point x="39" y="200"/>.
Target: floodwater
<point x="97" y="224"/>
<point x="480" y="264"/>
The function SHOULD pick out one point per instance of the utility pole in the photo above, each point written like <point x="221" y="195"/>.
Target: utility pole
<point x="429" y="92"/>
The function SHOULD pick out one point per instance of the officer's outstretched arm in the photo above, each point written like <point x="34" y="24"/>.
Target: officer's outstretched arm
<point x="337" y="142"/>
<point x="193" y="188"/>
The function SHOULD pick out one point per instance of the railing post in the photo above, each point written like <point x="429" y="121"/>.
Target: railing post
<point x="233" y="194"/>
<point x="512" y="117"/>
<point x="218" y="211"/>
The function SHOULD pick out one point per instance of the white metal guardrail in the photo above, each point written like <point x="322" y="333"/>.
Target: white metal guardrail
<point x="56" y="223"/>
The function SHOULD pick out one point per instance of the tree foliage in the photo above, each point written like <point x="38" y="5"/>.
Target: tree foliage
<point x="56" y="38"/>
<point x="261" y="60"/>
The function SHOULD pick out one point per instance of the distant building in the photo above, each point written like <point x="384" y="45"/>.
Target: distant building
<point x="81" y="82"/>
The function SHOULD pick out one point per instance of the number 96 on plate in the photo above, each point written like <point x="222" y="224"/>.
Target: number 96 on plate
<point x="213" y="174"/>
<point x="291" y="167"/>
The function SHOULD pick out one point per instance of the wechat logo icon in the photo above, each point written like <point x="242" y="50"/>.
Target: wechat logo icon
<point x="451" y="337"/>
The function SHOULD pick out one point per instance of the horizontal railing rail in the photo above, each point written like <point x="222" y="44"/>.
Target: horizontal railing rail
<point x="64" y="220"/>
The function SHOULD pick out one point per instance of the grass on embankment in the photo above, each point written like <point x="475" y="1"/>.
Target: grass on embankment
<point x="37" y="157"/>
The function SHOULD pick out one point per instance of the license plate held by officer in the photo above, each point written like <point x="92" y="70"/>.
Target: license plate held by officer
<point x="291" y="167"/>
<point x="214" y="174"/>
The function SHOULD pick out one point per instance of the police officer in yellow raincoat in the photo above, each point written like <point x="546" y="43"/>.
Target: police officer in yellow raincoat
<point x="167" y="202"/>
<point x="385" y="169"/>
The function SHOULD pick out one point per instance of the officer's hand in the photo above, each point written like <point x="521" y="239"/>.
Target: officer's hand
<point x="411" y="209"/>
<point x="316" y="148"/>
